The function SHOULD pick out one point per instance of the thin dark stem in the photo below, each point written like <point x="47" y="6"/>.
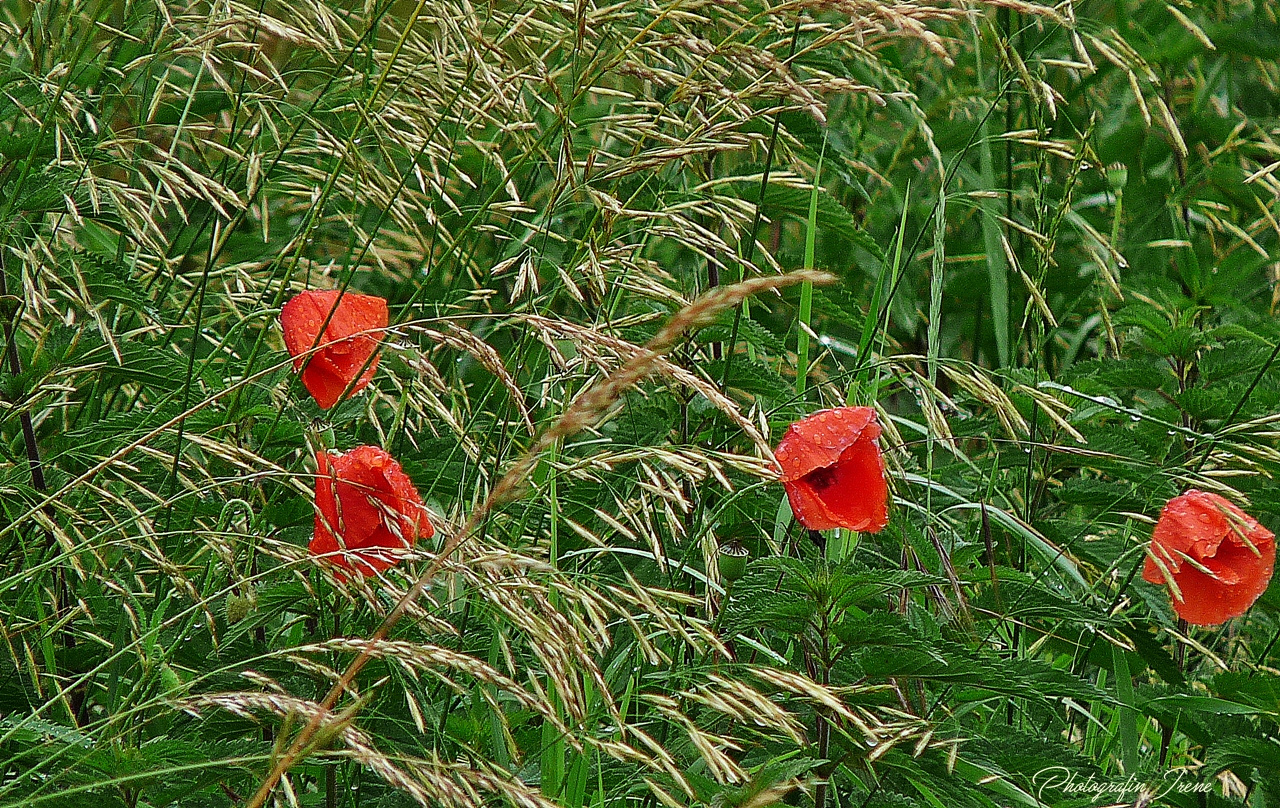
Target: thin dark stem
<point x="1244" y="399"/>
<point x="1262" y="658"/>
<point x="749" y="249"/>
<point x="824" y="723"/>
<point x="15" y="367"/>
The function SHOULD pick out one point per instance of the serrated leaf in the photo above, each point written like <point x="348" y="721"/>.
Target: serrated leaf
<point x="751" y="377"/>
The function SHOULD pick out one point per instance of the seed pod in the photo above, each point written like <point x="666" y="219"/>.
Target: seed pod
<point x="733" y="561"/>
<point x="240" y="606"/>
<point x="1117" y="176"/>
<point x="170" y="681"/>
<point x="322" y="433"/>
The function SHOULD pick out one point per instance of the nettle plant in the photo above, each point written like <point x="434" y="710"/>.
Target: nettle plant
<point x="547" y="273"/>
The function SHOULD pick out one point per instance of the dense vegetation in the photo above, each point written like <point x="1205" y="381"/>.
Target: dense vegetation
<point x="1051" y="244"/>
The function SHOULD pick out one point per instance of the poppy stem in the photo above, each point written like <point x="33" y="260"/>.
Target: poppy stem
<point x="820" y="540"/>
<point x="749" y="250"/>
<point x="15" y="367"/>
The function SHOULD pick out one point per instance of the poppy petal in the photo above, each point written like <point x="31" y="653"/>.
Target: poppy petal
<point x="819" y="439"/>
<point x="854" y="489"/>
<point x="345" y="354"/>
<point x="367" y="508"/>
<point x="1216" y="558"/>
<point x="808" y="508"/>
<point x="833" y="472"/>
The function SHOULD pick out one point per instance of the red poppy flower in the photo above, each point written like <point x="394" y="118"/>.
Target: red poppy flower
<point x="347" y="352"/>
<point x="833" y="472"/>
<point x="1215" y="558"/>
<point x="367" y="511"/>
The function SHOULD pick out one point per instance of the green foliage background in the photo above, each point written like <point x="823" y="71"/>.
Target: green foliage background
<point x="1055" y="236"/>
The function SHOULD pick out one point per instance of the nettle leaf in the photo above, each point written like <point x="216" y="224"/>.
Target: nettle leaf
<point x="1146" y="318"/>
<point x="950" y="662"/>
<point x="880" y="629"/>
<point x="1101" y="495"/>
<point x="1121" y="443"/>
<point x="1028" y="754"/>
<point x="838" y="304"/>
<point x="1232" y="358"/>
<point x="105" y="279"/>
<point x="1150" y="651"/>
<point x="1181" y="342"/>
<point x="1262" y="692"/>
<point x="1116" y="375"/>
<point x="749" y="331"/>
<point x="1244" y="753"/>
<point x="1017" y="595"/>
<point x="42" y="192"/>
<point x="31" y="731"/>
<point x="850" y="588"/>
<point x="751" y="377"/>
<point x="163" y="369"/>
<point x="643" y="422"/>
<point x="782" y="200"/>
<point x="1235" y="333"/>
<point x="118" y="429"/>
<point x="1205" y="404"/>
<point x="1179" y="702"/>
<point x="762" y="609"/>
<point x="1156" y="599"/>
<point x="888" y="798"/>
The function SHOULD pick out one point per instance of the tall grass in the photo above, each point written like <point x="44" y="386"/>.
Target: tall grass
<point x="567" y="205"/>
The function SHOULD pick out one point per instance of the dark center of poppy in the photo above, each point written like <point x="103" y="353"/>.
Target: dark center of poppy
<point x="821" y="479"/>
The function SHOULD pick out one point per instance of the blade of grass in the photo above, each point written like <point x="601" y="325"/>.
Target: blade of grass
<point x="806" y="289"/>
<point x="1128" y="715"/>
<point x="888" y="277"/>
<point x="997" y="269"/>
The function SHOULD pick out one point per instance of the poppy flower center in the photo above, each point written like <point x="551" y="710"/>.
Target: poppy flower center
<point x="820" y="480"/>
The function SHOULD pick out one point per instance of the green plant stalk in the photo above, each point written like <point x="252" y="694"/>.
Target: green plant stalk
<point x="806" y="289"/>
<point x="554" y="751"/>
<point x="845" y="542"/>
<point x="888" y="275"/>
<point x="997" y="267"/>
<point x="824" y="721"/>
<point x="15" y="367"/>
<point x="749" y="250"/>
<point x="1128" y="714"/>
<point x="937" y="271"/>
<point x="575" y="789"/>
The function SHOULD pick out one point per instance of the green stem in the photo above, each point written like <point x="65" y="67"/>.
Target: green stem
<point x="806" y="289"/>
